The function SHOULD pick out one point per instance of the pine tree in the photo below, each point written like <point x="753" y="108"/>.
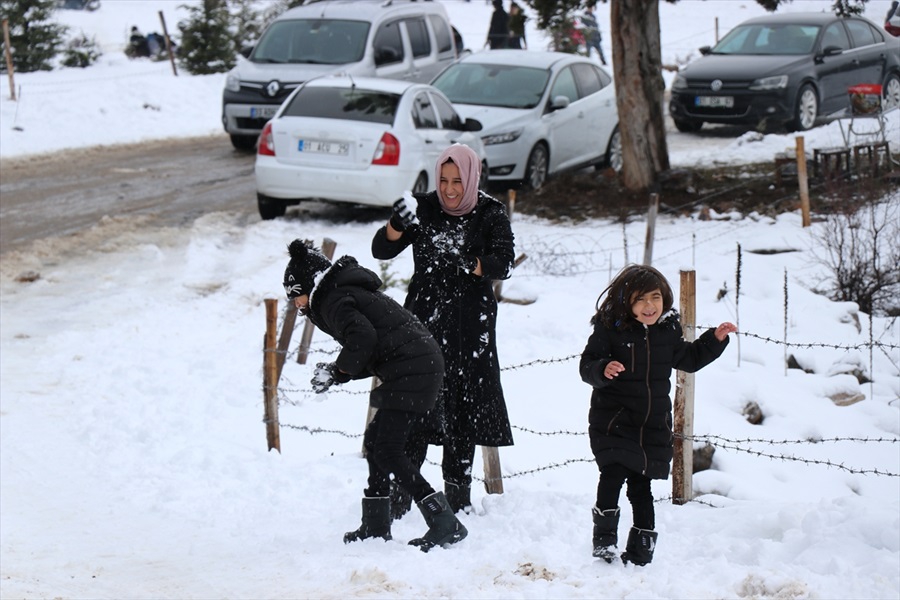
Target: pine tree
<point x="35" y="40"/>
<point x="247" y="22"/>
<point x="207" y="45"/>
<point x="81" y="52"/>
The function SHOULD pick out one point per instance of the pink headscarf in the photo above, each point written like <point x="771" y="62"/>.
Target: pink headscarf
<point x="469" y="166"/>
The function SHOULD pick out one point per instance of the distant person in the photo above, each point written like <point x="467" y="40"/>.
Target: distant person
<point x="137" y="44"/>
<point x="628" y="361"/>
<point x="517" y="20"/>
<point x="592" y="37"/>
<point x="378" y="337"/>
<point x="498" y="32"/>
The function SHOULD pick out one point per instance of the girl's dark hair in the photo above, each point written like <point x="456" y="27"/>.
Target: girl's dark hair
<point x="614" y="311"/>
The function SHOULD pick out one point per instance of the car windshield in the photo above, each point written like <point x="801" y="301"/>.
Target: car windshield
<point x="313" y="41"/>
<point x="506" y="86"/>
<point x="346" y="104"/>
<point x="767" y="39"/>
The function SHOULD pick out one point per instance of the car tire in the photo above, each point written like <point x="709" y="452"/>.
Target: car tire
<point x="536" y="168"/>
<point x="685" y="126"/>
<point x="806" y="109"/>
<point x="483" y="181"/>
<point x="890" y="92"/>
<point x="421" y="184"/>
<point x="270" y="208"/>
<point x="244" y="143"/>
<point x="614" y="151"/>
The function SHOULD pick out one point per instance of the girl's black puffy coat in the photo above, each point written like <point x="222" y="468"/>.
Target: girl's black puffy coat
<point x="460" y="309"/>
<point x="378" y="337"/>
<point x="630" y="421"/>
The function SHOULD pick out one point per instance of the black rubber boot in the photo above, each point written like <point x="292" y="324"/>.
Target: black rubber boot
<point x="459" y="497"/>
<point x="606" y="536"/>
<point x="376" y="521"/>
<point x="401" y="502"/>
<point x="640" y="546"/>
<point x="443" y="526"/>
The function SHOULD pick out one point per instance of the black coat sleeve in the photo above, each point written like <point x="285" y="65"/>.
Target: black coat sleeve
<point x="596" y="355"/>
<point x="384" y="249"/>
<point x="693" y="356"/>
<point x="499" y="256"/>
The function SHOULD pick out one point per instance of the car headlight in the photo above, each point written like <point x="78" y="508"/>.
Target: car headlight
<point x="502" y="138"/>
<point x="679" y="83"/>
<point x="770" y="83"/>
<point x="233" y="82"/>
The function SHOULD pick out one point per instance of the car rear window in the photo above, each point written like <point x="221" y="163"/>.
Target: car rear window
<point x="313" y="41"/>
<point x="345" y="104"/>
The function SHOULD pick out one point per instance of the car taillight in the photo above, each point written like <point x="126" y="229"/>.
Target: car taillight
<point x="265" y="147"/>
<point x="892" y="29"/>
<point x="388" y="151"/>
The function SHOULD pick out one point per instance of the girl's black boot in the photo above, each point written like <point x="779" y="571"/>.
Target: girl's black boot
<point x="376" y="521"/>
<point x="640" y="546"/>
<point x="606" y="527"/>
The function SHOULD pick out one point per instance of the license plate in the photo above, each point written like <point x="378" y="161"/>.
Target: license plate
<point x="323" y="147"/>
<point x="263" y="112"/>
<point x="714" y="101"/>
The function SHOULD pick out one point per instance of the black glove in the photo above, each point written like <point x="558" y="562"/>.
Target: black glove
<point x="467" y="264"/>
<point x="326" y="375"/>
<point x="402" y="217"/>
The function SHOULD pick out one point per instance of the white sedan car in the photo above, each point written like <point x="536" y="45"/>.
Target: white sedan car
<point x="543" y="112"/>
<point x="356" y="140"/>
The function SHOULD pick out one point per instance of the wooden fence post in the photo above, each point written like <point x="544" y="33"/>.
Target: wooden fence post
<point x="270" y="376"/>
<point x="651" y="228"/>
<point x="162" y="20"/>
<point x="493" y="478"/>
<point x="9" y="63"/>
<point x="303" y="351"/>
<point x="803" y="181"/>
<point x="683" y="460"/>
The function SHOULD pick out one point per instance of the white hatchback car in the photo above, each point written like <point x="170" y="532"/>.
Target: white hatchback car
<point x="543" y="112"/>
<point x="357" y="140"/>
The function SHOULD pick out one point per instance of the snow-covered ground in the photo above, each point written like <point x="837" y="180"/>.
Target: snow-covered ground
<point x="133" y="456"/>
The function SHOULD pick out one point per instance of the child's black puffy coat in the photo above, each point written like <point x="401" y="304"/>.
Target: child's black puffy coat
<point x="630" y="421"/>
<point x="378" y="337"/>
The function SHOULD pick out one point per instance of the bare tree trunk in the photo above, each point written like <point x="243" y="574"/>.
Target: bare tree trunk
<point x="639" y="91"/>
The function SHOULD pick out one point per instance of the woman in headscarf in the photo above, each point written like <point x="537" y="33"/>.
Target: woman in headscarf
<point x="462" y="241"/>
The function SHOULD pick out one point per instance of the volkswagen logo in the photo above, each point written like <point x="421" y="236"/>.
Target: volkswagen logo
<point x="274" y="86"/>
<point x="715" y="86"/>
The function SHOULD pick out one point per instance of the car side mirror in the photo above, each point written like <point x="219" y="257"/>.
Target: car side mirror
<point x="704" y="50"/>
<point x="559" y="103"/>
<point x="246" y="50"/>
<point x="386" y="55"/>
<point x="831" y="51"/>
<point x="472" y="125"/>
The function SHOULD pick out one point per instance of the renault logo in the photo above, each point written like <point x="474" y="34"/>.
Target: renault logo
<point x="273" y="87"/>
<point x="715" y="86"/>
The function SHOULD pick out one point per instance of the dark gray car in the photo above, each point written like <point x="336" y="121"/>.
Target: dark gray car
<point x="785" y="70"/>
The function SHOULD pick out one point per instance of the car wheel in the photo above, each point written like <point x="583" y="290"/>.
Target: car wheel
<point x="685" y="126"/>
<point x="614" y="151"/>
<point x="891" y="92"/>
<point x="483" y="181"/>
<point x="806" y="110"/>
<point x="536" y="170"/>
<point x="421" y="184"/>
<point x="270" y="208"/>
<point x="245" y="143"/>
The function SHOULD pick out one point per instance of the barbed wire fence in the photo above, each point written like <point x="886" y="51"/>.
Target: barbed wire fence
<point x="574" y="254"/>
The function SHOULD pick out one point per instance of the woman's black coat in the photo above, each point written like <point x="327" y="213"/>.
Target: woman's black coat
<point x="460" y="309"/>
<point x="378" y="337"/>
<point x="630" y="421"/>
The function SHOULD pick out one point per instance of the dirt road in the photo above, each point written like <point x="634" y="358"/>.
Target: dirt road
<point x="172" y="182"/>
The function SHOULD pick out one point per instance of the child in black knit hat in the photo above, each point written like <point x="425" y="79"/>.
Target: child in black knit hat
<point x="378" y="338"/>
